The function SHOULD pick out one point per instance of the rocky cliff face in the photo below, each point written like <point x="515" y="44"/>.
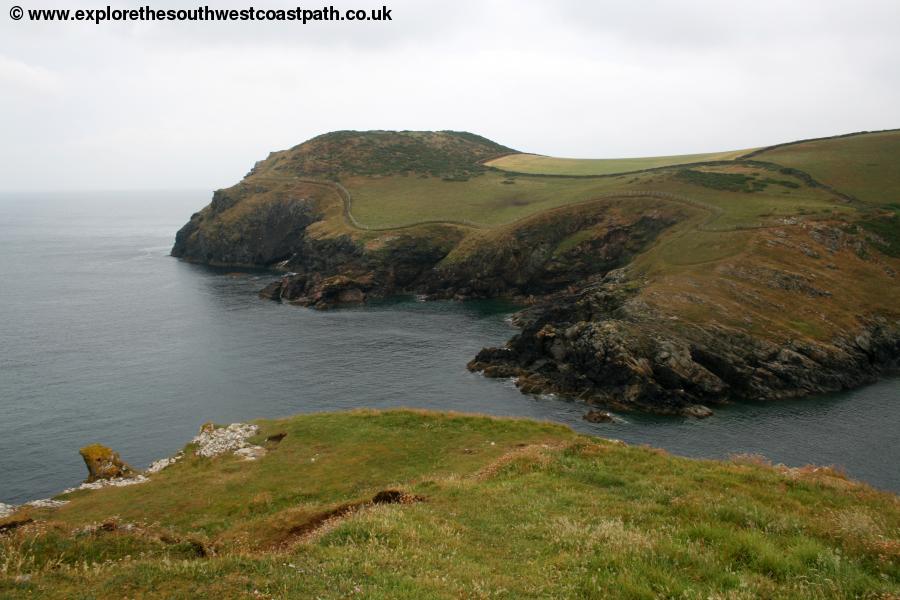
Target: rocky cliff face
<point x="604" y="345"/>
<point x="522" y="261"/>
<point x="237" y="229"/>
<point x="551" y="251"/>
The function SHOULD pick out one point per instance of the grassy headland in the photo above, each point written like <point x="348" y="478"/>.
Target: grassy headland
<point x="489" y="507"/>
<point x="788" y="253"/>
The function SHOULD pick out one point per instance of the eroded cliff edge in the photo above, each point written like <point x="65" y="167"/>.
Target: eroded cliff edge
<point x="638" y="298"/>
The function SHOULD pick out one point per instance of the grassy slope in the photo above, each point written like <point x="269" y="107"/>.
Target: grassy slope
<point x="866" y="166"/>
<point x="401" y="179"/>
<point x="537" y="164"/>
<point x="735" y="222"/>
<point x="512" y="509"/>
<point x="487" y="201"/>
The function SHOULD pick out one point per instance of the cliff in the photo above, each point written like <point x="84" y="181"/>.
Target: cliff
<point x="665" y="289"/>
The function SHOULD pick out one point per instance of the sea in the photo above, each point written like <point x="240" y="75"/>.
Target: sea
<point x="106" y="338"/>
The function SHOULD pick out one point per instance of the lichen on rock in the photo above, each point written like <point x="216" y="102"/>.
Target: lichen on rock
<point x="104" y="464"/>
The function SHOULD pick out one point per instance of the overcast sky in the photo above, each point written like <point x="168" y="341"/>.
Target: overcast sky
<point x="194" y="105"/>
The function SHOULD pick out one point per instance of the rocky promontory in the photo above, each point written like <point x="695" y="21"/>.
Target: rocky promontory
<point x="638" y="299"/>
<point x="603" y="344"/>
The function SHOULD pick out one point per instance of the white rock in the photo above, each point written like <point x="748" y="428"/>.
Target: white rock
<point x="162" y="463"/>
<point x="47" y="503"/>
<point x="102" y="483"/>
<point x="224" y="439"/>
<point x="6" y="510"/>
<point x="251" y="452"/>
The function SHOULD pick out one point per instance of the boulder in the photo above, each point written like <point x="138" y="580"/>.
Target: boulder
<point x="104" y="464"/>
<point x="598" y="416"/>
<point x="341" y="289"/>
<point x="276" y="438"/>
<point x="698" y="411"/>
<point x="272" y="291"/>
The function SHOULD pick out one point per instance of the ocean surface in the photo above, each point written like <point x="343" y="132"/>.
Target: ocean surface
<point x="105" y="338"/>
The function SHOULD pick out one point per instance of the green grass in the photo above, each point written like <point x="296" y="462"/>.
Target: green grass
<point x="866" y="166"/>
<point x="548" y="165"/>
<point x="487" y="201"/>
<point x="733" y="182"/>
<point x="886" y="227"/>
<point x="748" y="205"/>
<point x="399" y="179"/>
<point x="512" y="509"/>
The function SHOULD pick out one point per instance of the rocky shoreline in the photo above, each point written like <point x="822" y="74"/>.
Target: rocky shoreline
<point x="603" y="345"/>
<point x="426" y="261"/>
<point x="588" y="333"/>
<point x="106" y="468"/>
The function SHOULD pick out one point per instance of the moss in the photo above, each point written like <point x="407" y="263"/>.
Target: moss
<point x="104" y="463"/>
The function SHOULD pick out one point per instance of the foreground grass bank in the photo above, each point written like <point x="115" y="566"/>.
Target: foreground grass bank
<point x="485" y="508"/>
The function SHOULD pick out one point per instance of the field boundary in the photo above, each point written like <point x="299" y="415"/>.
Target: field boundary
<point x="759" y="151"/>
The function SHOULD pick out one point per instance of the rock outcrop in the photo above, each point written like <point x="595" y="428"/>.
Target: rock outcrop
<point x="606" y="346"/>
<point x="214" y="441"/>
<point x="104" y="464"/>
<point x="237" y="229"/>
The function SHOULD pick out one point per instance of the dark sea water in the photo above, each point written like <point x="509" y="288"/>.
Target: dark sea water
<point x="104" y="338"/>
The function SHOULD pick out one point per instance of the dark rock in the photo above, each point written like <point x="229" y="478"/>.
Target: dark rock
<point x="276" y="438"/>
<point x="272" y="291"/>
<point x="14" y="522"/>
<point x="598" y="416"/>
<point x="270" y="233"/>
<point x="600" y="344"/>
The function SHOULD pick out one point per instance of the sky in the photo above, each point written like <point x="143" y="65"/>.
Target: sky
<point x="187" y="105"/>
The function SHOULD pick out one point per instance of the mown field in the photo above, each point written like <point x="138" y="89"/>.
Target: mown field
<point x="495" y="508"/>
<point x="538" y="164"/>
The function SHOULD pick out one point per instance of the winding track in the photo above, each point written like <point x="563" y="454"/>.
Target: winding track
<point x="347" y="202"/>
<point x="714" y="211"/>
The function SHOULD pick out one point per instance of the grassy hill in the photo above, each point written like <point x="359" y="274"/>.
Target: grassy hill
<point x="766" y="254"/>
<point x="485" y="508"/>
<point x="399" y="179"/>
<point x="445" y="154"/>
<point x="865" y="165"/>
